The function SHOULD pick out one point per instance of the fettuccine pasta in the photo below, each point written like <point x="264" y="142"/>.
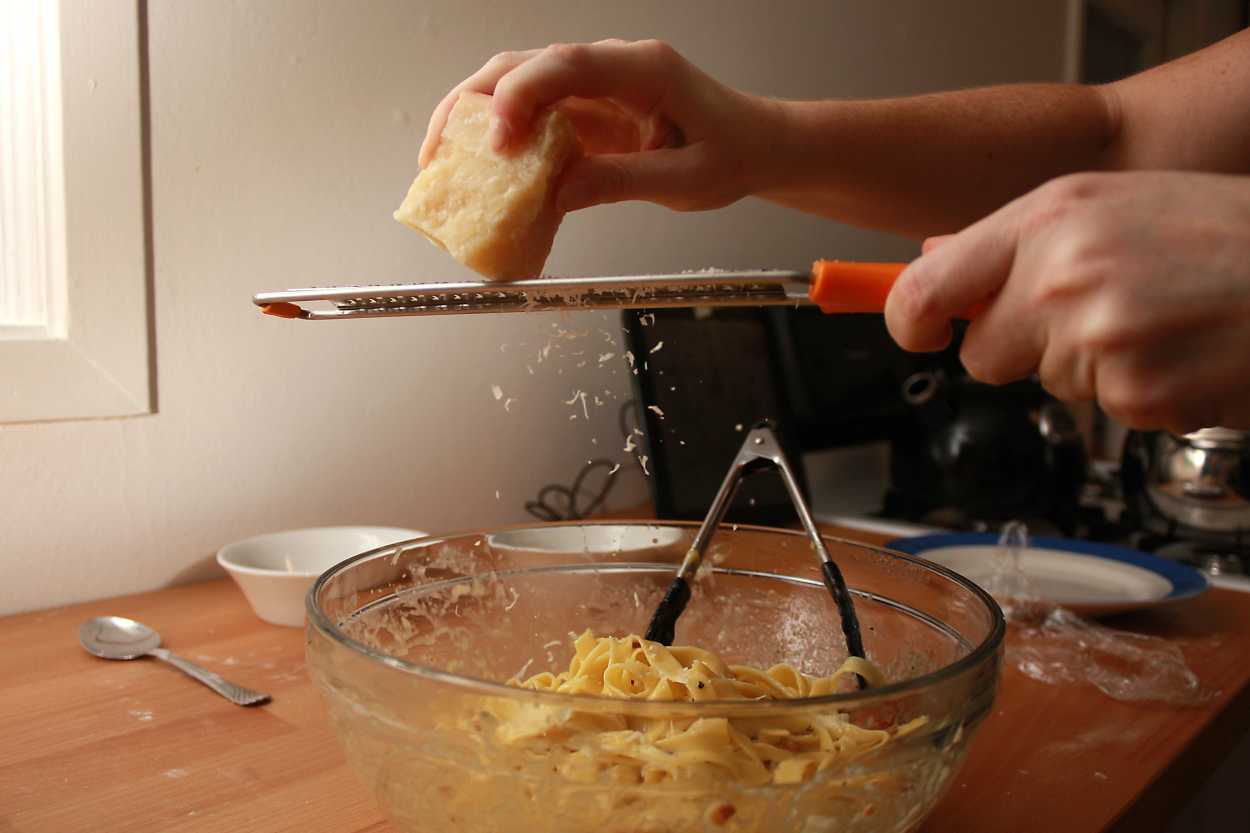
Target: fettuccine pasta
<point x="589" y="745"/>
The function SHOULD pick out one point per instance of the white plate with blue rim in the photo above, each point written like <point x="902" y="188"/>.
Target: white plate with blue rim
<point x="1086" y="577"/>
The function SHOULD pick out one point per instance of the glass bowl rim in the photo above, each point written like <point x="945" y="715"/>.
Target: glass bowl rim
<point x="980" y="653"/>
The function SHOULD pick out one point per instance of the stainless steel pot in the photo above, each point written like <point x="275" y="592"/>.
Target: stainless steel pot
<point x="1200" y="480"/>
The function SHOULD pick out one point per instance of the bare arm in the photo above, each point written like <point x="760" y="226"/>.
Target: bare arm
<point x="936" y="163"/>
<point x="1191" y="114"/>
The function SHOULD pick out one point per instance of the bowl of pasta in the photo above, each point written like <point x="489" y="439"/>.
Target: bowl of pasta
<point x="478" y="688"/>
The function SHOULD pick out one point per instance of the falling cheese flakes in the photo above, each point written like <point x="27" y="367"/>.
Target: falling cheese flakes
<point x="656" y="410"/>
<point x="659" y="345"/>
<point x="642" y="460"/>
<point x="603" y="357"/>
<point x="507" y="403"/>
<point x="579" y="395"/>
<point x="497" y="391"/>
<point x="614" y="469"/>
<point x="516" y="597"/>
<point x="630" y="445"/>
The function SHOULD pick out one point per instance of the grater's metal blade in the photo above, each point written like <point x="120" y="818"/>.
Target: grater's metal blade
<point x="684" y="289"/>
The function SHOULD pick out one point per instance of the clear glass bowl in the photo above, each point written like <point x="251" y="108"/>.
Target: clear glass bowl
<point x="411" y="644"/>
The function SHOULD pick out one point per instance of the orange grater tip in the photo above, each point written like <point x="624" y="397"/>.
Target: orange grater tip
<point x="282" y="309"/>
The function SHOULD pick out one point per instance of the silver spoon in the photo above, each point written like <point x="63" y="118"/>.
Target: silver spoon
<point x="114" y="637"/>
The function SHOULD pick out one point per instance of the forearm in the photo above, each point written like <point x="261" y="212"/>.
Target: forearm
<point x="933" y="164"/>
<point x="1191" y="114"/>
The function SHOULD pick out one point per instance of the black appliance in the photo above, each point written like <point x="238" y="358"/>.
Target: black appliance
<point x="702" y="376"/>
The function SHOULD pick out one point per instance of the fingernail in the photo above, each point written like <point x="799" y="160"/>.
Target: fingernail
<point x="498" y="133"/>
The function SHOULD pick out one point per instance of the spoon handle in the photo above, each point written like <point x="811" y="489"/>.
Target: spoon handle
<point x="236" y="694"/>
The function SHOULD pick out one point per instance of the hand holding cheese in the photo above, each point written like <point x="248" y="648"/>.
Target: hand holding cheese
<point x="652" y="125"/>
<point x="494" y="212"/>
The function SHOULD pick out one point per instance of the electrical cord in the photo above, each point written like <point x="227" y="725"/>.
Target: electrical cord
<point x="562" y="503"/>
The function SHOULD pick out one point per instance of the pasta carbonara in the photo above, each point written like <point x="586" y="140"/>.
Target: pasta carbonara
<point x="592" y="744"/>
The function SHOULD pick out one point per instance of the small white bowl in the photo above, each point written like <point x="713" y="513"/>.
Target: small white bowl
<point x="589" y="538"/>
<point x="274" y="571"/>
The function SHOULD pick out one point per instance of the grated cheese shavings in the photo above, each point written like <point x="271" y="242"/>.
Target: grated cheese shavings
<point x="516" y="597"/>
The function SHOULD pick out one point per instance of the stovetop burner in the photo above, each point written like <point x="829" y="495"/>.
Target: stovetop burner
<point x="1211" y="558"/>
<point x="1102" y="515"/>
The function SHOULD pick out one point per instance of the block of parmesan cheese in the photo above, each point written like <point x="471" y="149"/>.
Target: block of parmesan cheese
<point x="493" y="212"/>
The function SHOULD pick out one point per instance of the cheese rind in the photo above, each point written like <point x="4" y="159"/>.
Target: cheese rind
<point x="493" y="212"/>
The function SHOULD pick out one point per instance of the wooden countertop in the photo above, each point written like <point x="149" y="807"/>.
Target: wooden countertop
<point x="89" y="744"/>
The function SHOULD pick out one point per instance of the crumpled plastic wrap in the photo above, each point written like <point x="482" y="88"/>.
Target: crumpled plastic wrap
<point x="1053" y="645"/>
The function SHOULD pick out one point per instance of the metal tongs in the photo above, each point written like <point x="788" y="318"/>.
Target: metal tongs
<point x="759" y="451"/>
<point x="833" y="285"/>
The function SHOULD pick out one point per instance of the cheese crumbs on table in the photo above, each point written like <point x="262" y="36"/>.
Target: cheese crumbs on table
<point x="493" y="212"/>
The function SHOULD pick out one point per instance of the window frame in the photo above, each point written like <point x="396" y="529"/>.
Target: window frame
<point x="103" y="364"/>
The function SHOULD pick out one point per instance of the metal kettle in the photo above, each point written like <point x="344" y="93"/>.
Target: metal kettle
<point x="1199" y="480"/>
<point x="990" y="453"/>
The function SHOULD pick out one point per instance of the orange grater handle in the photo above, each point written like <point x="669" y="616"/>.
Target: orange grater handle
<point x="851" y="286"/>
<point x="845" y="286"/>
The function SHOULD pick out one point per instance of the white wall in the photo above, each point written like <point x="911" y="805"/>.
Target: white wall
<point x="283" y="134"/>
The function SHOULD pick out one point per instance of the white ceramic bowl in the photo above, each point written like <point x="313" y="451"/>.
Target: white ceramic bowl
<point x="597" y="540"/>
<point x="274" y="571"/>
